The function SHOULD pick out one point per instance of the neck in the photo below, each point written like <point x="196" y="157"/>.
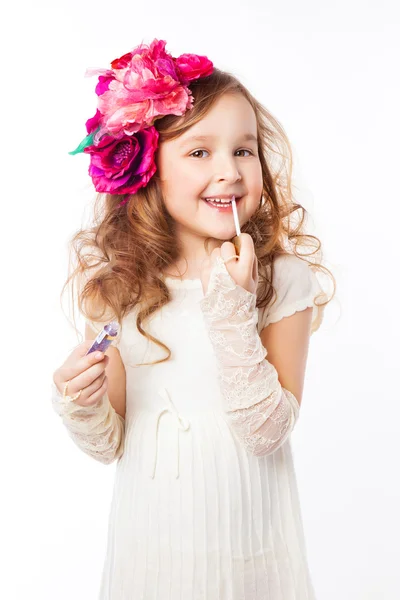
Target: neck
<point x="192" y="255"/>
<point x="186" y="269"/>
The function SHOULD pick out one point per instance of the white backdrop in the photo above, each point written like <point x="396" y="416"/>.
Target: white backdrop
<point x="330" y="73"/>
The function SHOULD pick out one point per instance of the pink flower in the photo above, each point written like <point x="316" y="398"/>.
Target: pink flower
<point x="192" y="66"/>
<point x="121" y="63"/>
<point x="93" y="123"/>
<point x="141" y="86"/>
<point x="147" y="84"/>
<point x="105" y="76"/>
<point x="124" y="164"/>
<point x="130" y="117"/>
<point x="102" y="86"/>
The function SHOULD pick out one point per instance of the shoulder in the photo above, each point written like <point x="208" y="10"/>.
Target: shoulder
<point x="290" y="265"/>
<point x="296" y="288"/>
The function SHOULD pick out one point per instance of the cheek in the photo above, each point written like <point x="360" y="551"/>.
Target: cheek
<point x="257" y="174"/>
<point x="256" y="180"/>
<point x="174" y="177"/>
<point x="187" y="182"/>
<point x="255" y="186"/>
<point x="188" y="174"/>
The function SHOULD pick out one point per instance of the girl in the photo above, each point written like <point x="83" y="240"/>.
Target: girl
<point x="198" y="396"/>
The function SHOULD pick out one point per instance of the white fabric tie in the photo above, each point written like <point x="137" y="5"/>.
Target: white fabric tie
<point x="182" y="425"/>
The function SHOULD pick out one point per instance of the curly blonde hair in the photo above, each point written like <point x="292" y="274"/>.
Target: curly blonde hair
<point x="118" y="262"/>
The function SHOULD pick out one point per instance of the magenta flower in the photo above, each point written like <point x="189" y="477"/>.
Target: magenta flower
<point x="124" y="164"/>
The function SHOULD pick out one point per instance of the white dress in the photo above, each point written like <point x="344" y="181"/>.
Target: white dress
<point x="194" y="516"/>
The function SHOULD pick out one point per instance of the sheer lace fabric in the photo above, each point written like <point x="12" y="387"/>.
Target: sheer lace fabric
<point x="260" y="411"/>
<point x="98" y="430"/>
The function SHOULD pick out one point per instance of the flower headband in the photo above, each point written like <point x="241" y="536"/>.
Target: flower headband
<point x="141" y="87"/>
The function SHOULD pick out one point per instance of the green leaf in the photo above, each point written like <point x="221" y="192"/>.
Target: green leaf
<point x="88" y="141"/>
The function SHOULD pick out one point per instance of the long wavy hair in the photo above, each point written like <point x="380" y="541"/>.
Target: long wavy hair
<point x="119" y="260"/>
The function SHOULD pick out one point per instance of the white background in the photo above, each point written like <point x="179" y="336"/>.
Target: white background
<point x="330" y="73"/>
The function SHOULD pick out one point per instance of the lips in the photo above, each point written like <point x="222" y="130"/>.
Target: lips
<point x="225" y="200"/>
<point x="221" y="206"/>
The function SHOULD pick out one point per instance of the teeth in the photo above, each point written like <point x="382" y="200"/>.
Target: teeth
<point x="219" y="200"/>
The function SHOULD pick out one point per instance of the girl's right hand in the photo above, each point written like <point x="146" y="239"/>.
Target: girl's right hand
<point x="86" y="373"/>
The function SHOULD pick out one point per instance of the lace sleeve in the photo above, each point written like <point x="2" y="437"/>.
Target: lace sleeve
<point x="97" y="430"/>
<point x="260" y="411"/>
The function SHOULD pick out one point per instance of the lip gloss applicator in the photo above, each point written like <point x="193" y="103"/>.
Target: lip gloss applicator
<point x="236" y="239"/>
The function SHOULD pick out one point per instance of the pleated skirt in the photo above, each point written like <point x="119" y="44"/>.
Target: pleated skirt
<point x="194" y="516"/>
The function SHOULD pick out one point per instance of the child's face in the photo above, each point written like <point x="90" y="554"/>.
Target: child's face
<point x="224" y="163"/>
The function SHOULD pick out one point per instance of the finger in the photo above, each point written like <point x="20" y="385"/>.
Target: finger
<point x="247" y="253"/>
<point x="81" y="374"/>
<point x="82" y="349"/>
<point x="78" y="361"/>
<point x="93" y="392"/>
<point x="95" y="397"/>
<point x="85" y="380"/>
<point x="227" y="250"/>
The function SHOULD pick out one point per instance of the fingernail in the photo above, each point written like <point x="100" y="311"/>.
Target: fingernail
<point x="98" y="355"/>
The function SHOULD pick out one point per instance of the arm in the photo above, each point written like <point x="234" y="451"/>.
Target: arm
<point x="287" y="343"/>
<point x="261" y="412"/>
<point x="97" y="430"/>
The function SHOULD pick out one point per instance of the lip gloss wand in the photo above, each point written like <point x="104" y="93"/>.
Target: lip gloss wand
<point x="236" y="239"/>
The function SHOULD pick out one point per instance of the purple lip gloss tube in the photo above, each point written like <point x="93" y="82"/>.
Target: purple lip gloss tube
<point x="104" y="338"/>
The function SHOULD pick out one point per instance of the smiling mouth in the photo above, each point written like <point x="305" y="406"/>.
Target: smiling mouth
<point x="223" y="205"/>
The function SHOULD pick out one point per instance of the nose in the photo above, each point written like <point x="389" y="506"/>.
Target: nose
<point x="226" y="169"/>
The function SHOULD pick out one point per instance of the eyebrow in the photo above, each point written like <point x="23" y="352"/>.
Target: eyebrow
<point x="248" y="137"/>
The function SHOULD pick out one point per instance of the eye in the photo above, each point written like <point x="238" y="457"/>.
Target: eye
<point x="196" y="151"/>
<point x="244" y="150"/>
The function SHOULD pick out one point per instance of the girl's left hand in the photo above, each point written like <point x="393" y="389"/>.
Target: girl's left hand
<point x="243" y="270"/>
